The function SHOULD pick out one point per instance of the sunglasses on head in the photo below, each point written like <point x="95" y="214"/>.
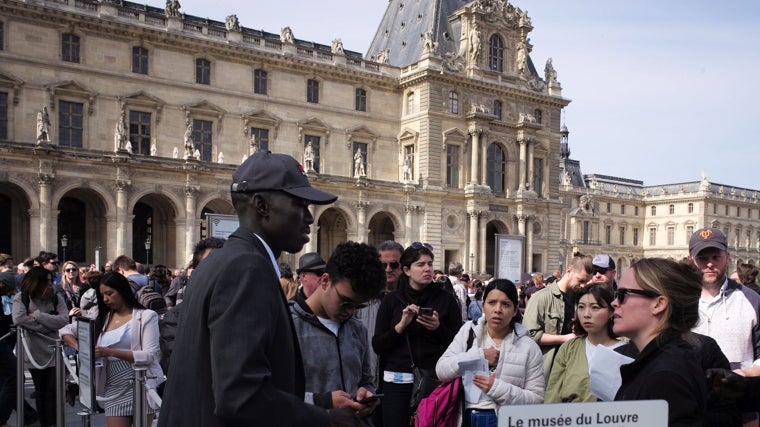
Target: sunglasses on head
<point x="393" y="264"/>
<point x="621" y="293"/>
<point x="419" y="245"/>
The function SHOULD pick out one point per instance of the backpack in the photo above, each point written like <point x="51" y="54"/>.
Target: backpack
<point x="151" y="299"/>
<point x="444" y="405"/>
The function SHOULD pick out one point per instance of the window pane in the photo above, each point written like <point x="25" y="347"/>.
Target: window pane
<point x="70" y="124"/>
<point x="202" y="138"/>
<point x="139" y="60"/>
<point x="361" y="100"/>
<point x="202" y="71"/>
<point x="496" y="54"/>
<point x="453" y="103"/>
<point x="495" y="168"/>
<point x="262" y="136"/>
<point x="3" y="115"/>
<point x="260" y="82"/>
<point x="312" y="91"/>
<point x="70" y="48"/>
<point x="497" y="109"/>
<point x="139" y="132"/>
<point x="452" y="166"/>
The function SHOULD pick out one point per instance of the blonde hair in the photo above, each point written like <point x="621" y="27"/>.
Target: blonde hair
<point x="679" y="283"/>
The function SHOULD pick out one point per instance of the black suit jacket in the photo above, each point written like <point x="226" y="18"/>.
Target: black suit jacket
<point x="236" y="360"/>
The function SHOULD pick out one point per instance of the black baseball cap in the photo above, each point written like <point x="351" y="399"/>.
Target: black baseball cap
<point x="267" y="171"/>
<point x="707" y="238"/>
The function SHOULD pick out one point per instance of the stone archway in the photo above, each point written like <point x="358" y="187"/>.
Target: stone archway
<point x="14" y="221"/>
<point x="154" y="221"/>
<point x="381" y="228"/>
<point x="82" y="219"/>
<point x="332" y="230"/>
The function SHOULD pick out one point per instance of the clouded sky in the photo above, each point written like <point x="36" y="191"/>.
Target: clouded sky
<point x="660" y="90"/>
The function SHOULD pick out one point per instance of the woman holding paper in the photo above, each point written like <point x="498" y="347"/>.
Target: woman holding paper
<point x="569" y="378"/>
<point x="656" y="306"/>
<point x="515" y="366"/>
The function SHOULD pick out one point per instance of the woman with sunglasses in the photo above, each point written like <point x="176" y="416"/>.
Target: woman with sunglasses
<point x="414" y="326"/>
<point x="569" y="378"/>
<point x="38" y="308"/>
<point x="514" y="359"/>
<point x="656" y="306"/>
<point x="72" y="287"/>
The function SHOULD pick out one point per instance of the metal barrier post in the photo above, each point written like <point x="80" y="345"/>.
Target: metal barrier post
<point x="140" y="407"/>
<point x="60" y="384"/>
<point x="20" y="379"/>
<point x="86" y="420"/>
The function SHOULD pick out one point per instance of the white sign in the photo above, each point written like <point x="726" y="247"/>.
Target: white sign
<point x="509" y="257"/>
<point x="221" y="225"/>
<point x="636" y="413"/>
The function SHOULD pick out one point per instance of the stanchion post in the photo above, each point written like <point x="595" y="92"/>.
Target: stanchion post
<point x="140" y="407"/>
<point x="60" y="384"/>
<point x="20" y="379"/>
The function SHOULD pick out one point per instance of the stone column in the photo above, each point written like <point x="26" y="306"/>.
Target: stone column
<point x="529" y="178"/>
<point x="122" y="217"/>
<point x="361" y="226"/>
<point x="408" y="225"/>
<point x="480" y="261"/>
<point x="48" y="224"/>
<point x="484" y="161"/>
<point x="529" y="242"/>
<point x="191" y="230"/>
<point x="473" y="244"/>
<point x="522" y="170"/>
<point x="475" y="145"/>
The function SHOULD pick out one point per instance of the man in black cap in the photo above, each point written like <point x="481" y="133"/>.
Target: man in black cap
<point x="728" y="311"/>
<point x="310" y="269"/>
<point x="603" y="270"/>
<point x="236" y="360"/>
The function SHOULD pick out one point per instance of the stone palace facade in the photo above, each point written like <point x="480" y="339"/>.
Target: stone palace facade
<point x="121" y="124"/>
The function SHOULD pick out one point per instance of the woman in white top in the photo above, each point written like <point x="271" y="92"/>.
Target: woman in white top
<point x="569" y="379"/>
<point x="127" y="335"/>
<point x="514" y="359"/>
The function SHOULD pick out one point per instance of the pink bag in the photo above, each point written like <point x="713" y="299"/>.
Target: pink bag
<point x="442" y="408"/>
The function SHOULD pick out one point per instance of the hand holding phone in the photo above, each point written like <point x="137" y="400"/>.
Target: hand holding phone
<point x="370" y="399"/>
<point x="425" y="311"/>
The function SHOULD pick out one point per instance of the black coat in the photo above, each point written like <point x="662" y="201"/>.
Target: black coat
<point x="236" y="360"/>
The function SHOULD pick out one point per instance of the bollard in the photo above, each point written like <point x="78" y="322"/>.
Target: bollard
<point x="140" y="406"/>
<point x="20" y="379"/>
<point x="60" y="384"/>
<point x="86" y="417"/>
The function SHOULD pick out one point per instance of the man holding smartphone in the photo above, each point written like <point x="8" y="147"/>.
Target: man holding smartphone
<point x="336" y="352"/>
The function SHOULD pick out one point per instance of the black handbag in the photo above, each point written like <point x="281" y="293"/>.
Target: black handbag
<point x="425" y="380"/>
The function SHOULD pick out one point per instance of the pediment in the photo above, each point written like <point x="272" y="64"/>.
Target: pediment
<point x="260" y="118"/>
<point x="9" y="80"/>
<point x="205" y="107"/>
<point x="143" y="98"/>
<point x="408" y="134"/>
<point x="70" y="86"/>
<point x="314" y="123"/>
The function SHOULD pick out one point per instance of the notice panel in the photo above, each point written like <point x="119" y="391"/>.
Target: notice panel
<point x="638" y="413"/>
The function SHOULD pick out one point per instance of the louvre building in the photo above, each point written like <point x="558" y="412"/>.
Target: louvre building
<point x="122" y="123"/>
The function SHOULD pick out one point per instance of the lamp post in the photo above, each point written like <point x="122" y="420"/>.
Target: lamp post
<point x="64" y="244"/>
<point x="472" y="264"/>
<point x="147" y="252"/>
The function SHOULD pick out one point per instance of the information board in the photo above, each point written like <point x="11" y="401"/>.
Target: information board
<point x="86" y="343"/>
<point x="509" y="257"/>
<point x="220" y="225"/>
<point x="638" y="413"/>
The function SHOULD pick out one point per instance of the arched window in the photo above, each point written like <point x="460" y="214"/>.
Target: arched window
<point x="495" y="53"/>
<point x="495" y="168"/>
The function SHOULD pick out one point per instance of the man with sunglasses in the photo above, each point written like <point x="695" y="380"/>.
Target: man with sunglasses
<point x="603" y="270"/>
<point x="337" y="363"/>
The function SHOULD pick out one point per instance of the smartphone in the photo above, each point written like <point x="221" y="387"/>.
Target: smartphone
<point x="371" y="399"/>
<point x="425" y="311"/>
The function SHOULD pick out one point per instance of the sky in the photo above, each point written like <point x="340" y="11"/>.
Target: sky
<point x="661" y="91"/>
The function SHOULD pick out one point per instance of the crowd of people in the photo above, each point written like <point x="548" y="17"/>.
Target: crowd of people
<point x="361" y="338"/>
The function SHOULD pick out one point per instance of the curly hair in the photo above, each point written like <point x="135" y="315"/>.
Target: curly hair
<point x="358" y="263"/>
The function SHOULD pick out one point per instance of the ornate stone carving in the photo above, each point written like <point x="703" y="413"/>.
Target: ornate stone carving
<point x="428" y="45"/>
<point x="122" y="184"/>
<point x="43" y="126"/>
<point x="384" y="56"/>
<point x="120" y="136"/>
<point x="231" y="23"/>
<point x="359" y="169"/>
<point x="172" y="8"/>
<point x="286" y="35"/>
<point x="550" y="75"/>
<point x="188" y="140"/>
<point x="337" y="47"/>
<point x="474" y="46"/>
<point x="45" y="178"/>
<point x="453" y="62"/>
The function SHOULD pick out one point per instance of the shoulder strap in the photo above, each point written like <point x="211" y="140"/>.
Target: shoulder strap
<point x="471" y="336"/>
<point x="409" y="346"/>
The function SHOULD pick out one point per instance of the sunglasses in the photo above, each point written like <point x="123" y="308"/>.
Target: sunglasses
<point x="71" y="270"/>
<point x="394" y="265"/>
<point x="600" y="270"/>
<point x="347" y="304"/>
<point x="620" y="294"/>
<point x="419" y="245"/>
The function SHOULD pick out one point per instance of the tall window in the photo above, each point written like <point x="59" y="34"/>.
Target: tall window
<point x="636" y="211"/>
<point x="410" y="103"/>
<point x="314" y="140"/>
<point x="671" y="236"/>
<point x="2" y="34"/>
<point x="495" y="168"/>
<point x="607" y="234"/>
<point x="671" y="209"/>
<point x="654" y="210"/>
<point x="453" y="102"/>
<point x="70" y="47"/>
<point x="261" y="135"/>
<point x="609" y="207"/>
<point x="691" y="207"/>
<point x="635" y="236"/>
<point x="497" y="109"/>
<point x="622" y="209"/>
<point x="495" y="53"/>
<point x="622" y="235"/>
<point x="3" y="115"/>
<point x="139" y="60"/>
<point x="652" y="236"/>
<point x="361" y="99"/>
<point x="452" y="165"/>
<point x="738" y="211"/>
<point x="139" y="132"/>
<point x="726" y="210"/>
<point x="312" y="91"/>
<point x="538" y="174"/>
<point x="689" y="232"/>
<point x="585" y="232"/>
<point x="260" y="81"/>
<point x="202" y="71"/>
<point x="539" y="115"/>
<point x="715" y="208"/>
<point x="202" y="137"/>
<point x="70" y="123"/>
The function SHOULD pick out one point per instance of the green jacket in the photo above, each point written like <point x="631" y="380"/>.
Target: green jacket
<point x="545" y="313"/>
<point x="570" y="374"/>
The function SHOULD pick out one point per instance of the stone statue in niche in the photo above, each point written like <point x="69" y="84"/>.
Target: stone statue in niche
<point x="308" y="157"/>
<point x="43" y="126"/>
<point x="337" y="47"/>
<point x="286" y="35"/>
<point x="153" y="150"/>
<point x="197" y="154"/>
<point x="231" y="23"/>
<point x="474" y="45"/>
<point x="704" y="185"/>
<point x="408" y="169"/>
<point x="220" y="158"/>
<point x="522" y="59"/>
<point x="359" y="169"/>
<point x="175" y="153"/>
<point x="120" y="137"/>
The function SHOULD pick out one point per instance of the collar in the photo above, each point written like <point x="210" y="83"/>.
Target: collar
<point x="271" y="255"/>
